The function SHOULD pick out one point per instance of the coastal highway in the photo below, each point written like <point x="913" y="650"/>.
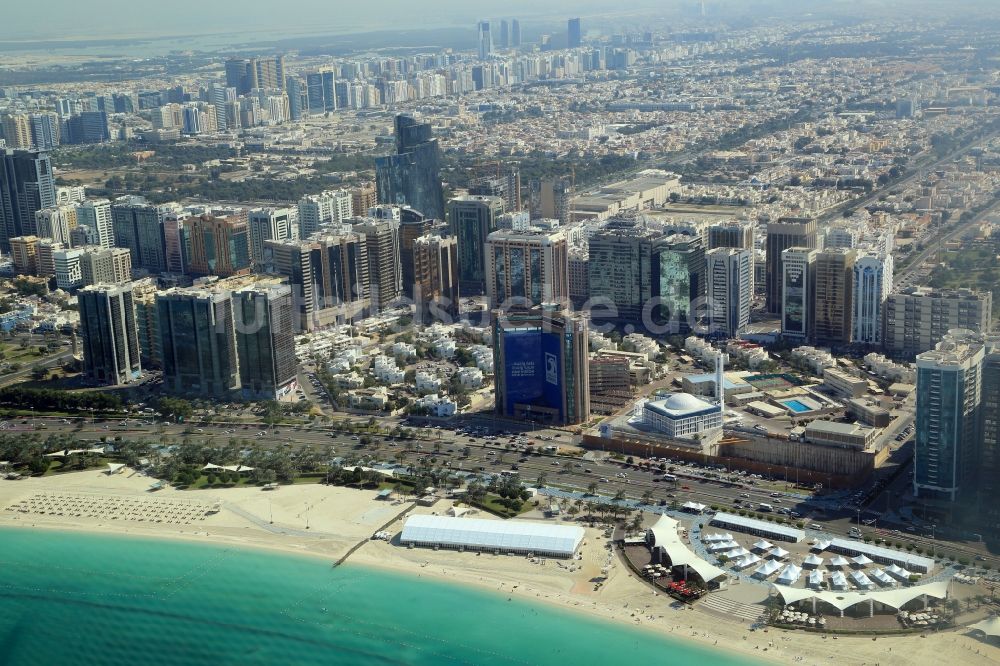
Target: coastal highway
<point x="572" y="473"/>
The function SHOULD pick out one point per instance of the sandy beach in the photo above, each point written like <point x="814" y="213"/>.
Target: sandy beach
<point x="327" y="522"/>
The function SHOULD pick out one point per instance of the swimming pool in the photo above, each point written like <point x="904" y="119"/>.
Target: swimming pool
<point x="796" y="406"/>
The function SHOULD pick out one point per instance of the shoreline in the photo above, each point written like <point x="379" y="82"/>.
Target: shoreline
<point x="566" y="585"/>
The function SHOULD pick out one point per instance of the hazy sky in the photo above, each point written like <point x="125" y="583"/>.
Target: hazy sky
<point x="47" y="19"/>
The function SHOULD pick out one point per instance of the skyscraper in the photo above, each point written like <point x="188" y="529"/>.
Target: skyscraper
<point x="17" y="131"/>
<point x="44" y="130"/>
<point x="270" y="224"/>
<point x="620" y="270"/>
<point x="515" y="33"/>
<point x="833" y="309"/>
<point x="105" y="265"/>
<point x="216" y="246"/>
<point x="504" y="34"/>
<point x="542" y="363"/>
<point x="316" y="211"/>
<point x="411" y="176"/>
<point x="328" y="274"/>
<point x="138" y="227"/>
<point x="550" y="199"/>
<point x="241" y="73"/>
<point x="485" y="40"/>
<point x="798" y="292"/>
<point x="108" y="334"/>
<point x="949" y="393"/>
<point x="56" y="222"/>
<point x="26" y="186"/>
<point x="411" y="228"/>
<point x="917" y="318"/>
<point x="265" y="341"/>
<point x="471" y="219"/>
<point x="729" y="289"/>
<point x="872" y="286"/>
<point x="678" y="281"/>
<point x="731" y="234"/>
<point x="435" y="276"/>
<point x="384" y="269"/>
<point x="574" y="33"/>
<point x="988" y="460"/>
<point x="198" y="342"/>
<point x="95" y="214"/>
<point x="527" y="268"/>
<point x="23" y="251"/>
<point x="785" y="233"/>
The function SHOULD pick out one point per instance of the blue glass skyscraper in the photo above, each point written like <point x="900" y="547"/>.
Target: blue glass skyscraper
<point x="411" y="177"/>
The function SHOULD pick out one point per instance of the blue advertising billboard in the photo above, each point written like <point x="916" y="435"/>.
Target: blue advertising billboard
<point x="533" y="369"/>
<point x="522" y="366"/>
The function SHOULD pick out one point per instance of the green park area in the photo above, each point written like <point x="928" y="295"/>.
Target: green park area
<point x="973" y="267"/>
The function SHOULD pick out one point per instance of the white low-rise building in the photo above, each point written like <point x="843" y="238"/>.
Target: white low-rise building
<point x="890" y="371"/>
<point x="386" y="371"/>
<point x="816" y="360"/>
<point x="437" y="405"/>
<point x="484" y="358"/>
<point x="470" y="378"/>
<point x="444" y="347"/>
<point x="642" y="345"/>
<point x="426" y="383"/>
<point x="349" y="381"/>
<point x="370" y="399"/>
<point x="599" y="341"/>
<point x="404" y="350"/>
<point x="700" y="349"/>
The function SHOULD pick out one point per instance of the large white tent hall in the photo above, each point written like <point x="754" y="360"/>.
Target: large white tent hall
<point x="505" y="536"/>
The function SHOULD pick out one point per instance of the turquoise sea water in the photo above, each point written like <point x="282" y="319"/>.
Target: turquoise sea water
<point x="69" y="598"/>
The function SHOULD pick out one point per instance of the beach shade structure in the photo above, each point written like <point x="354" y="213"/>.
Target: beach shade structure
<point x="820" y="546"/>
<point x="763" y="545"/>
<point x="861" y="580"/>
<point x="861" y="560"/>
<point x="813" y="560"/>
<point x="838" y="581"/>
<point x="990" y="626"/>
<point x="882" y="577"/>
<point x="778" y="553"/>
<point x="815" y="578"/>
<point x="789" y="574"/>
<point x="766" y="569"/>
<point x="839" y="561"/>
<point x="897" y="571"/>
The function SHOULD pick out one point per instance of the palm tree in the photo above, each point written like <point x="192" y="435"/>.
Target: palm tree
<point x="592" y="488"/>
<point x="542" y="478"/>
<point x="647" y="497"/>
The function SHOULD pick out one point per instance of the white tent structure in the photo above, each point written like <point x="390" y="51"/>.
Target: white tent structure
<point x="820" y="546"/>
<point x="990" y="626"/>
<point x="766" y="569"/>
<point x="694" y="507"/>
<point x="663" y="535"/>
<point x="815" y="578"/>
<point x="813" y="560"/>
<point x="778" y="553"/>
<point x="839" y="561"/>
<point x="898" y="572"/>
<point x="882" y="555"/>
<point x="861" y="580"/>
<point x="861" y="560"/>
<point x="896" y="598"/>
<point x="763" y="545"/>
<point x="714" y="538"/>
<point x="738" y="552"/>
<point x="838" y="581"/>
<point x="720" y="546"/>
<point x="789" y="574"/>
<point x="746" y="561"/>
<point x="882" y="577"/>
<point x="508" y="536"/>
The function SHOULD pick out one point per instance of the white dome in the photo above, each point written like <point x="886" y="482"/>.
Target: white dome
<point x="683" y="402"/>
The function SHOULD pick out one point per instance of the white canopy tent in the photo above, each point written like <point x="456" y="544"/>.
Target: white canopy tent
<point x="820" y="546"/>
<point x="861" y="580"/>
<point x="898" y="572"/>
<point x="738" y="552"/>
<point x="778" y="553"/>
<point x="815" y="578"/>
<point x="839" y="561"/>
<point x="694" y="507"/>
<point x="766" y="569"/>
<point x="714" y="538"/>
<point x="813" y="560"/>
<point x="861" y="560"/>
<point x="720" y="546"/>
<point x="838" y="580"/>
<point x="746" y="561"/>
<point x="882" y="577"/>
<point x="789" y="574"/>
<point x="763" y="544"/>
